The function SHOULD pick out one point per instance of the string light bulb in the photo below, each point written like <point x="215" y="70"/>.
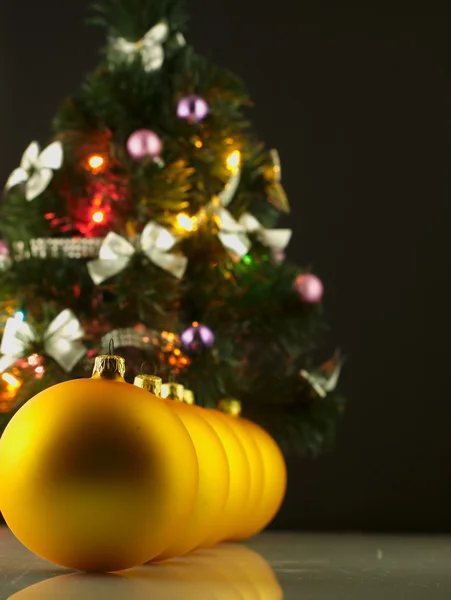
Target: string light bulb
<point x="98" y="217"/>
<point x="12" y="382"/>
<point x="234" y="161"/>
<point x="185" y="222"/>
<point x="39" y="372"/>
<point x="96" y="162"/>
<point x="33" y="360"/>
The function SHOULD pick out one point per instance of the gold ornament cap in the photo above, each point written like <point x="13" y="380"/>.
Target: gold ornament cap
<point x="188" y="397"/>
<point x="109" y="366"/>
<point x="173" y="391"/>
<point x="230" y="407"/>
<point x="150" y="383"/>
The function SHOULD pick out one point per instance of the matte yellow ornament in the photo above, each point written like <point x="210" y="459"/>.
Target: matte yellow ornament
<point x="233" y="515"/>
<point x="96" y="474"/>
<point x="274" y="473"/>
<point x="213" y="470"/>
<point x="275" y="479"/>
<point x="245" y="527"/>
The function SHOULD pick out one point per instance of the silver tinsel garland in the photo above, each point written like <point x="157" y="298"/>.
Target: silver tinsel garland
<point x="128" y="337"/>
<point x="57" y="248"/>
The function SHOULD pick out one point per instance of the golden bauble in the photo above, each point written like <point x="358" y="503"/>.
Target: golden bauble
<point x="274" y="479"/>
<point x="214" y="480"/>
<point x="233" y="516"/>
<point x="245" y="527"/>
<point x="268" y="470"/>
<point x="96" y="475"/>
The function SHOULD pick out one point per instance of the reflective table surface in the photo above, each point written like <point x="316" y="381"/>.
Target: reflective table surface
<point x="272" y="566"/>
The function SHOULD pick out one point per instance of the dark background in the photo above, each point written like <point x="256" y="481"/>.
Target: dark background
<point x="357" y="101"/>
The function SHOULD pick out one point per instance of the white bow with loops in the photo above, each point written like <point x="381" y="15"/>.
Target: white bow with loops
<point x="116" y="252"/>
<point x="60" y="341"/>
<point x="36" y="169"/>
<point x="233" y="233"/>
<point x="275" y="239"/>
<point x="150" y="47"/>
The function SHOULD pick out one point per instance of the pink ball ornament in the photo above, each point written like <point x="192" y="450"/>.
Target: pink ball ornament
<point x="5" y="259"/>
<point x="192" y="108"/>
<point x="144" y="142"/>
<point x="278" y="256"/>
<point x="309" y="288"/>
<point x="4" y="250"/>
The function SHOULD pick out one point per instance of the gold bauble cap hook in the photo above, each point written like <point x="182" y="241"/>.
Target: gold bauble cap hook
<point x="109" y="366"/>
<point x="230" y="406"/>
<point x="188" y="397"/>
<point x="150" y="383"/>
<point x="173" y="391"/>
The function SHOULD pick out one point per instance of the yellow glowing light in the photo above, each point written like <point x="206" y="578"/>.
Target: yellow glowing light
<point x="234" y="160"/>
<point x="185" y="222"/>
<point x="195" y="324"/>
<point x="95" y="161"/>
<point x="198" y="143"/>
<point x="98" y="216"/>
<point x="11" y="381"/>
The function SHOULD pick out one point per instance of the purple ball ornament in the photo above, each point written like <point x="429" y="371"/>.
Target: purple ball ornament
<point x="144" y="142"/>
<point x="192" y="108"/>
<point x="309" y="287"/>
<point x="196" y="337"/>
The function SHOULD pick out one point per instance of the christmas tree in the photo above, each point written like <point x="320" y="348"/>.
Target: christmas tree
<point x="149" y="222"/>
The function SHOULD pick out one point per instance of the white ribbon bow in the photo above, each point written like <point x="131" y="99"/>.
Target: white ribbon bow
<point x="36" y="169"/>
<point x="59" y="340"/>
<point x="325" y="379"/>
<point x="276" y="239"/>
<point x="277" y="195"/>
<point x="231" y="233"/>
<point x="116" y="252"/>
<point x="150" y="47"/>
<point x="234" y="238"/>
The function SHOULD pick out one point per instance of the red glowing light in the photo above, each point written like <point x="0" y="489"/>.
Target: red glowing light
<point x="98" y="216"/>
